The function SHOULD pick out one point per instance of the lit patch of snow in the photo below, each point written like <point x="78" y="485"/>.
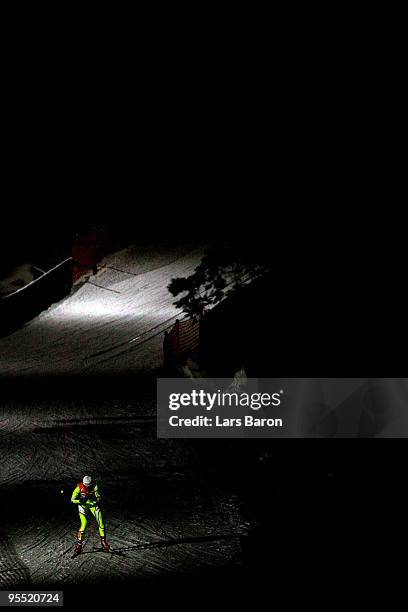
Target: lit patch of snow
<point x="109" y="319"/>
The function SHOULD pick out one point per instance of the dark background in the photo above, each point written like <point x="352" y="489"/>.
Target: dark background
<point x="285" y="147"/>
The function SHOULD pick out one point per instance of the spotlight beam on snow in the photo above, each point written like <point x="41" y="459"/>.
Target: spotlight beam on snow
<point x="94" y="322"/>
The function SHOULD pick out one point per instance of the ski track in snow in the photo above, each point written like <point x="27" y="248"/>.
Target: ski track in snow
<point x="165" y="515"/>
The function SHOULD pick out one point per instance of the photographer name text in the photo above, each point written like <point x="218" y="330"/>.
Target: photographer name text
<point x="217" y="421"/>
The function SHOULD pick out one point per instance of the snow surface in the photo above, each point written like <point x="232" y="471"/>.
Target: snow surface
<point x="162" y="515"/>
<point x="113" y="321"/>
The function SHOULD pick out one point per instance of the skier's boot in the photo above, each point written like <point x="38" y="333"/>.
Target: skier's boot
<point x="105" y="545"/>
<point x="78" y="548"/>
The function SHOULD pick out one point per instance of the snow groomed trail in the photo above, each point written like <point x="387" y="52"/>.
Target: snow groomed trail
<point x="165" y="517"/>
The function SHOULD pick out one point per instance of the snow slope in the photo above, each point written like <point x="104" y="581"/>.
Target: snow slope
<point x="106" y="322"/>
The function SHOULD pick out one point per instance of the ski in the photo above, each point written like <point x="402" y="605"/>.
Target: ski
<point x="116" y="552"/>
<point x="108" y="552"/>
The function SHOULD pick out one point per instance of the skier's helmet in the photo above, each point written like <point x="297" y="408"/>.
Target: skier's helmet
<point x="87" y="481"/>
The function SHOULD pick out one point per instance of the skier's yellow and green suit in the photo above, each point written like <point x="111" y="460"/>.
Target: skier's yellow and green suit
<point x="88" y="499"/>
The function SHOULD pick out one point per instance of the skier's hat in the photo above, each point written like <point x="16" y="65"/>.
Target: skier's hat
<point x="87" y="480"/>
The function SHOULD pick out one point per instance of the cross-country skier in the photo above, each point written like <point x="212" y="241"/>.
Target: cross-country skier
<point x="86" y="496"/>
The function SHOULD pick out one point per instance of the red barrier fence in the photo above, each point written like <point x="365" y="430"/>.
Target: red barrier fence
<point x="88" y="250"/>
<point x="181" y="340"/>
